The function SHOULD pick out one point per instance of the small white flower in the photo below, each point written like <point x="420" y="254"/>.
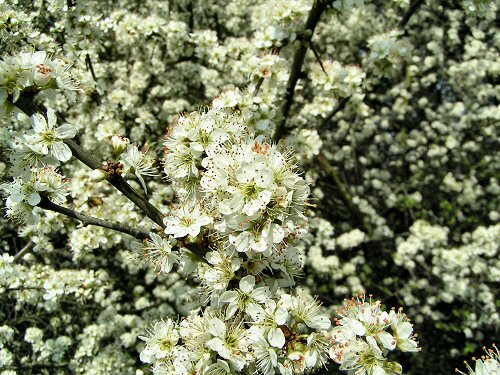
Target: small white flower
<point x="138" y="163"/>
<point x="25" y="194"/>
<point x="403" y="332"/>
<point x="267" y="322"/>
<point x="229" y="342"/>
<point x="187" y="221"/>
<point x="246" y="297"/>
<point x="160" y="251"/>
<point x="163" y="336"/>
<point x="119" y="144"/>
<point x="49" y="139"/>
<point x="307" y="310"/>
<point x="266" y="357"/>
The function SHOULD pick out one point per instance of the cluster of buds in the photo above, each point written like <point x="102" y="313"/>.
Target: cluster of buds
<point x="112" y="168"/>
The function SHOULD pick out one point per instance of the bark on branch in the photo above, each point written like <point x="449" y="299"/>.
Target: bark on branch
<point x="312" y="20"/>
<point x="90" y="220"/>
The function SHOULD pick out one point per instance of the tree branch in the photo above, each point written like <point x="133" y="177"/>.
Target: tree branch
<point x="90" y="220"/>
<point x="411" y="11"/>
<point x="25" y="250"/>
<point x="340" y="106"/>
<point x="26" y="104"/>
<point x="312" y="20"/>
<point x="344" y="195"/>
<point x="118" y="182"/>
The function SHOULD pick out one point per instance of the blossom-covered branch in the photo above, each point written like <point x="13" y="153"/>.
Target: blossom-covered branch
<point x="89" y="220"/>
<point x="28" y="106"/>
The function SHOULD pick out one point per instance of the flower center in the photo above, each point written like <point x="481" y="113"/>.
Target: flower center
<point x="165" y="345"/>
<point x="43" y="69"/>
<point x="187" y="221"/>
<point x="48" y="137"/>
<point x="251" y="191"/>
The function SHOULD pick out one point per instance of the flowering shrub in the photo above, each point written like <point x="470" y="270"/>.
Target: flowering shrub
<point x="195" y="187"/>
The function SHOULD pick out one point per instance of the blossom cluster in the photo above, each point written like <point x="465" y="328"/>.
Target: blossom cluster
<point x="362" y="340"/>
<point x="393" y="123"/>
<point x="32" y="71"/>
<point x="285" y="336"/>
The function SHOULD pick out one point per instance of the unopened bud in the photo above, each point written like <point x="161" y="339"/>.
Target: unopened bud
<point x="119" y="144"/>
<point x="98" y="175"/>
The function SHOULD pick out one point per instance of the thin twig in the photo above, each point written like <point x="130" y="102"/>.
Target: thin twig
<point x="90" y="220"/>
<point x="411" y="11"/>
<point x="88" y="64"/>
<point x="21" y="288"/>
<point x="25" y="250"/>
<point x="340" y="106"/>
<point x="318" y="58"/>
<point x="32" y="365"/>
<point x="312" y="20"/>
<point x="257" y="87"/>
<point x="344" y="195"/>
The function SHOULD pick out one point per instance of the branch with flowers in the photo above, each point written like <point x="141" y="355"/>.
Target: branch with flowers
<point x="242" y="198"/>
<point x="265" y="216"/>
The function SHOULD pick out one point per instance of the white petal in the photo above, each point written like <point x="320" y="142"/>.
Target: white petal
<point x="387" y="340"/>
<point x="261" y="294"/>
<point x="216" y="344"/>
<point x="373" y="345"/>
<point x="280" y="316"/>
<point x="39" y="123"/>
<point x="404" y="330"/>
<point x="355" y="325"/>
<point x="276" y="337"/>
<point x="65" y="131"/>
<point x="408" y="345"/>
<point x="3" y="95"/>
<point x="34" y="199"/>
<point x="51" y="117"/>
<point x="217" y="327"/>
<point x="247" y="283"/>
<point x="61" y="151"/>
<point x="228" y="296"/>
<point x="319" y="322"/>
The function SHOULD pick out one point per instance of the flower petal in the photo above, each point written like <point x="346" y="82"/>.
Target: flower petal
<point x="61" y="151"/>
<point x="276" y="337"/>
<point x="247" y="283"/>
<point x="65" y="131"/>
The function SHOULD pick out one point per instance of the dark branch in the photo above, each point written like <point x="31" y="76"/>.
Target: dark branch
<point x="118" y="182"/>
<point x="257" y="87"/>
<point x="25" y="250"/>
<point x="340" y="106"/>
<point x="26" y="104"/>
<point x="88" y="64"/>
<point x="344" y="194"/>
<point x="312" y="20"/>
<point x="411" y="11"/>
<point x="318" y="58"/>
<point x="90" y="220"/>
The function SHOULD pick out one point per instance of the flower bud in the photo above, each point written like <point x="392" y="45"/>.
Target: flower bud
<point x="98" y="175"/>
<point x="119" y="143"/>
